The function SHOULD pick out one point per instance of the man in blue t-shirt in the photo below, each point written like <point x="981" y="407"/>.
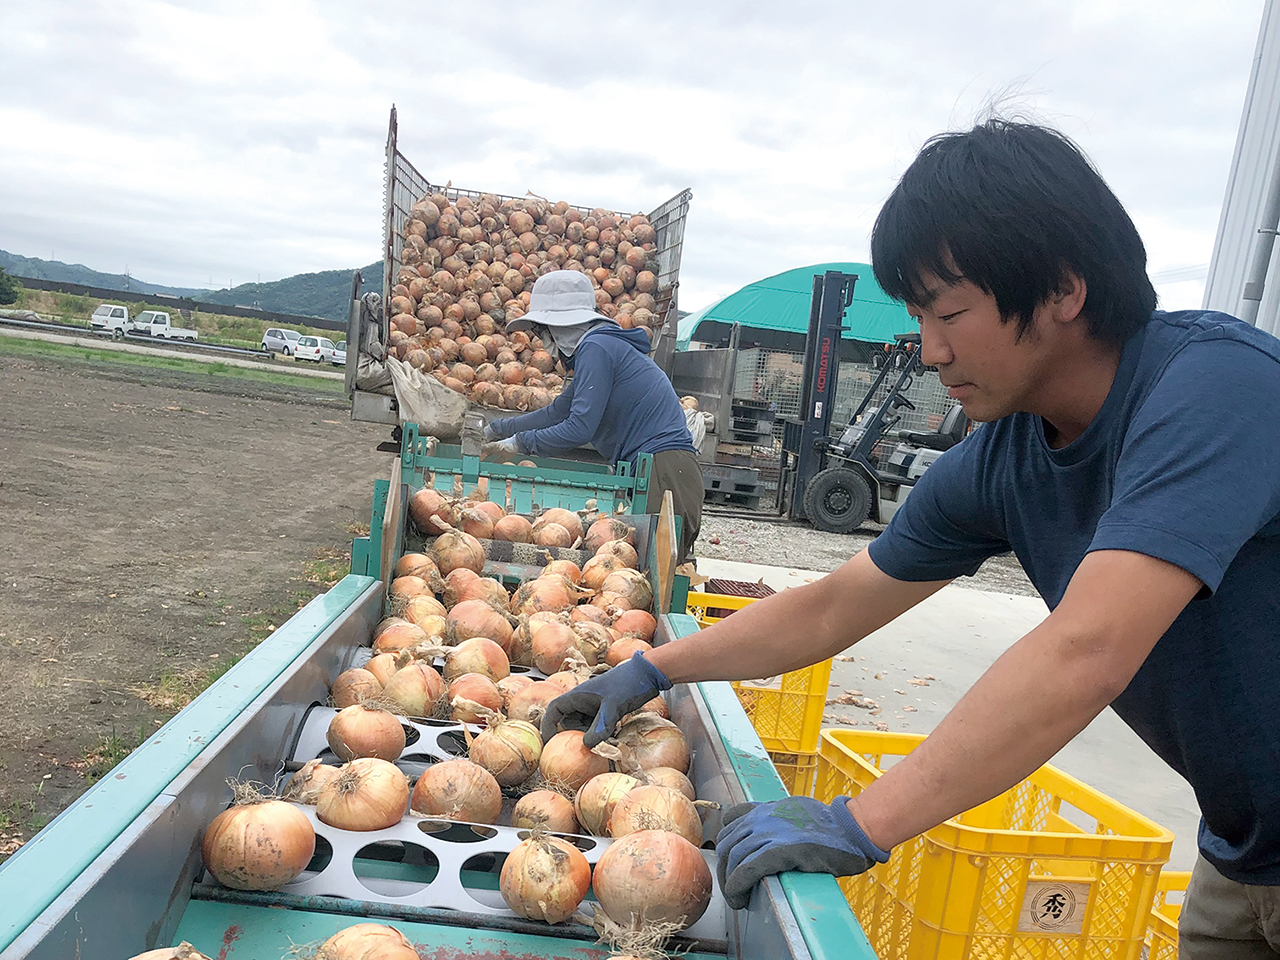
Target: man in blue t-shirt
<point x="1130" y="459"/>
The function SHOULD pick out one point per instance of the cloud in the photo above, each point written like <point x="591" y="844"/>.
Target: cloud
<point x="195" y="141"/>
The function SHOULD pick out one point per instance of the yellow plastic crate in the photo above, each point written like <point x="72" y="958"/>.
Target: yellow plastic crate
<point x="700" y="604"/>
<point x="788" y="716"/>
<point x="1162" y="933"/>
<point x="798" y="772"/>
<point x="1051" y="868"/>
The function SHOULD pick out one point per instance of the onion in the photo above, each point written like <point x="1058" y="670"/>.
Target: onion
<point x="530" y="703"/>
<point x="477" y="655"/>
<point x="456" y="583"/>
<point x="672" y="779"/>
<point x="477" y="523"/>
<point x="369" y="794"/>
<point x="509" y="749"/>
<point x="476" y="618"/>
<point x="416" y="565"/>
<point x="487" y="589"/>
<point x="453" y="549"/>
<point x="566" y="680"/>
<point x="415" y="690"/>
<point x="258" y="845"/>
<point x="653" y="742"/>
<point x="548" y="534"/>
<point x="427" y="507"/>
<point x="383" y="667"/>
<point x="365" y="731"/>
<point x="545" y="878"/>
<point x="354" y="686"/>
<point x="656" y="706"/>
<point x="593" y="805"/>
<point x="613" y="603"/>
<point x="551" y="645"/>
<point x="564" y="568"/>
<point x="654" y="807"/>
<point x="598" y="569"/>
<point x="632" y="585"/>
<point x="566" y="763"/>
<point x="408" y="586"/>
<point x="546" y="810"/>
<point x="636" y="623"/>
<point x="620" y="651"/>
<point x="457" y="790"/>
<point x="304" y="786"/>
<point x="183" y="951"/>
<point x="604" y="530"/>
<point x="475" y="689"/>
<point x="367" y="941"/>
<point x="422" y="606"/>
<point x="513" y="529"/>
<point x="652" y="877"/>
<point x="508" y="686"/>
<point x="594" y="640"/>
<point x="585" y="611"/>
<point x="621" y="551"/>
<point x="565" y="518"/>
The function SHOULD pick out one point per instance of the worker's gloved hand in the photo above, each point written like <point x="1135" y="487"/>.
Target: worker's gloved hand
<point x="597" y="705"/>
<point x="489" y="432"/>
<point x="798" y="833"/>
<point x="507" y="447"/>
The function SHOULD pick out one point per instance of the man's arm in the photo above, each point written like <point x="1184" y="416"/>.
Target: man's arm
<point x="1040" y="693"/>
<point x="795" y="628"/>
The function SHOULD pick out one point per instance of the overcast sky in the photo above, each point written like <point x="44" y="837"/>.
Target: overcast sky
<point x="202" y="144"/>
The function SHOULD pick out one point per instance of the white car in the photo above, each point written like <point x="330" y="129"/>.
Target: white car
<point x="340" y="354"/>
<point x="113" y="319"/>
<point x="319" y="349"/>
<point x="280" y="340"/>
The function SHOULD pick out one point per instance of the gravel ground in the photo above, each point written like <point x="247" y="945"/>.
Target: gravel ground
<point x="786" y="544"/>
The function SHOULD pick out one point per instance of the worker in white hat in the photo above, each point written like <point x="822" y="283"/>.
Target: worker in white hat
<point x="618" y="400"/>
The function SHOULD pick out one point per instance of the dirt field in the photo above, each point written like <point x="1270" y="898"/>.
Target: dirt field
<point x="158" y="524"/>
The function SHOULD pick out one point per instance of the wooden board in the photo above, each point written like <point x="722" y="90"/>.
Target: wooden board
<point x="392" y="521"/>
<point x="666" y="552"/>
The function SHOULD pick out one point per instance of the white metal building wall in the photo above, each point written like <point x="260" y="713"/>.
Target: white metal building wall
<point x="1254" y="180"/>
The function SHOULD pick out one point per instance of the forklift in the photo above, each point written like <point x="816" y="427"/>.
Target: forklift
<point x="833" y="481"/>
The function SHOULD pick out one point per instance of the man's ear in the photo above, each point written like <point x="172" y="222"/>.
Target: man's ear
<point x="1067" y="299"/>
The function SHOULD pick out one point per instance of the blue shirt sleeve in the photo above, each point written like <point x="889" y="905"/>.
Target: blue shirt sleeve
<point x="592" y="381"/>
<point x="1199" y="471"/>
<point x="946" y="528"/>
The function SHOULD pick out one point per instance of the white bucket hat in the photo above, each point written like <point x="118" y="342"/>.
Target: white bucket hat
<point x="561" y="298"/>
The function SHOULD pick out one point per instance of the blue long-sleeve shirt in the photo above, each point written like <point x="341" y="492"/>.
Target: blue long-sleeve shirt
<point x="618" y="400"/>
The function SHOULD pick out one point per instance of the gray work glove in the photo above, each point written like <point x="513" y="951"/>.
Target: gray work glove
<point x="599" y="704"/>
<point x="798" y="833"/>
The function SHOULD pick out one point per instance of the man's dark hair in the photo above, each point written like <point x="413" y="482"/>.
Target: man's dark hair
<point x="1009" y="207"/>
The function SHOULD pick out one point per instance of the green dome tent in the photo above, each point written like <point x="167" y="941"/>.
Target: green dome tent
<point x="781" y="303"/>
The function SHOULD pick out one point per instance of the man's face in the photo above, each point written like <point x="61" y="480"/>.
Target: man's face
<point x="980" y="359"/>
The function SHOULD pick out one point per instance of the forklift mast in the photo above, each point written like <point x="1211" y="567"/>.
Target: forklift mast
<point x="804" y="437"/>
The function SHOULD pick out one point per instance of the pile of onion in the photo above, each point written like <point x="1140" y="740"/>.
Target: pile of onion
<point x="367" y="794"/>
<point x="457" y="790"/>
<point x="258" y="844"/>
<point x="366" y="731"/>
<point x="652" y="876"/>
<point x="545" y="878"/>
<point x="367" y="941"/>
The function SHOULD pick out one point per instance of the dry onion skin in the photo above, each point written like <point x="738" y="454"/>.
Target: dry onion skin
<point x="509" y="749"/>
<point x="567" y="764"/>
<point x="671" y="778"/>
<point x="620" y="551"/>
<point x="367" y="794"/>
<point x="509" y="686"/>
<point x="364" y="731"/>
<point x="457" y="790"/>
<point x="432" y="513"/>
<point x="367" y="941"/>
<point x="530" y="702"/>
<point x="545" y="878"/>
<point x="652" y="741"/>
<point x="651" y="806"/>
<point x="354" y="686"/>
<point x="650" y="877"/>
<point x="593" y="805"/>
<point x="183" y="951"/>
<point x="409" y="586"/>
<point x="383" y="667"/>
<point x="469" y="692"/>
<point x="545" y="810"/>
<point x="513" y="529"/>
<point x="305" y="785"/>
<point x="258" y="845"/>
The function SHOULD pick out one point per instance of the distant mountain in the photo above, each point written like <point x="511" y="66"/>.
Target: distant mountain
<point x="326" y="294"/>
<point x="59" y="272"/>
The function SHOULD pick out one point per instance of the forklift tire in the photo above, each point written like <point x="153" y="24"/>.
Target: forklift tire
<point x="837" y="500"/>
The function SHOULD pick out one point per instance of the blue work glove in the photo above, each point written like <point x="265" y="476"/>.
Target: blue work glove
<point x="597" y="705"/>
<point x="798" y="833"/>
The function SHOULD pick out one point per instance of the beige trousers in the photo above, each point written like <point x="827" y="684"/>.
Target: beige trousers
<point x="1225" y="920"/>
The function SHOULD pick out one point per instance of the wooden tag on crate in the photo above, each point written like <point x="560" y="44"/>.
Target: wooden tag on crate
<point x="392" y="524"/>
<point x="1054" y="906"/>
<point x="666" y="553"/>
